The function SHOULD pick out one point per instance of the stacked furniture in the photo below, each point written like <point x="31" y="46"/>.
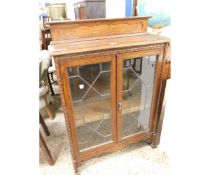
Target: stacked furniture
<point x="90" y="9"/>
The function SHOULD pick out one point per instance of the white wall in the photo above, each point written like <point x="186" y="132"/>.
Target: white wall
<point x="70" y="10"/>
<point x="115" y="8"/>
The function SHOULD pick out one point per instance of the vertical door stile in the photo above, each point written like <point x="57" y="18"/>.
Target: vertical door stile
<point x="114" y="98"/>
<point x="69" y="110"/>
<point x="119" y="96"/>
<point x="60" y="83"/>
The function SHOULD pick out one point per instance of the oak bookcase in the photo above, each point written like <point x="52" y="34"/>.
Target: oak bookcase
<point x="112" y="76"/>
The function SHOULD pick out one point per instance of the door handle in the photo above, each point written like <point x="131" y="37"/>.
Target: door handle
<point x="119" y="106"/>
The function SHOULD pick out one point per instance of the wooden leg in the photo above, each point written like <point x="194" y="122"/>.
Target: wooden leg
<point x="140" y="71"/>
<point x="51" y="75"/>
<point x="43" y="40"/>
<point x="152" y="143"/>
<point x="47" y="107"/>
<point x="50" y="113"/>
<point x="155" y="138"/>
<point x="45" y="149"/>
<point x="44" y="126"/>
<point x="76" y="166"/>
<point x="161" y="111"/>
<point x="153" y="146"/>
<point x="134" y="64"/>
<point x="50" y="84"/>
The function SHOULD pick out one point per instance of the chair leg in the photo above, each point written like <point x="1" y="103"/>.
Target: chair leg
<point x="44" y="126"/>
<point x="141" y="59"/>
<point x="50" y="113"/>
<point x="50" y="85"/>
<point x="51" y="75"/>
<point x="45" y="149"/>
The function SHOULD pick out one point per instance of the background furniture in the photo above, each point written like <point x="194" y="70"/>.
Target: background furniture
<point x="57" y="11"/>
<point x="111" y="75"/>
<point x="44" y="100"/>
<point x="89" y="9"/>
<point x="42" y="142"/>
<point x="45" y="32"/>
<point x="44" y="94"/>
<point x="50" y="76"/>
<point x="45" y="37"/>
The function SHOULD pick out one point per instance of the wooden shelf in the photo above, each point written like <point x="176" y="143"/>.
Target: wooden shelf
<point x="102" y="110"/>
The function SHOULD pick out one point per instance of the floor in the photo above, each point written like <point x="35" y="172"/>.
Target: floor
<point x="136" y="159"/>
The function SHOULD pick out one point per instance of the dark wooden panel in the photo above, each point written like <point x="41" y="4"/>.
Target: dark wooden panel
<point x="97" y="27"/>
<point x="82" y="13"/>
<point x="92" y="9"/>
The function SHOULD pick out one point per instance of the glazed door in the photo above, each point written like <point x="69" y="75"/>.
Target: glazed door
<point x="91" y="97"/>
<point x="137" y="92"/>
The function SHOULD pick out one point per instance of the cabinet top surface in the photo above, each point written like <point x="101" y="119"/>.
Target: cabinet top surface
<point x="83" y="36"/>
<point x="85" y="45"/>
<point x="98" y="20"/>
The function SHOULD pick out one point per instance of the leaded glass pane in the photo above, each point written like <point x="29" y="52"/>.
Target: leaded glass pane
<point x="91" y="94"/>
<point x="137" y="86"/>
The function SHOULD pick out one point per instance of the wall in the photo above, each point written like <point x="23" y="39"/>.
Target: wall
<point x="70" y="10"/>
<point x="115" y="8"/>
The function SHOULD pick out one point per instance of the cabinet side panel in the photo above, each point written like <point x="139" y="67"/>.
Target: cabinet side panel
<point x="162" y="103"/>
<point x="159" y="74"/>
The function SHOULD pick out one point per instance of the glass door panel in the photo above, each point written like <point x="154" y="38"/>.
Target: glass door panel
<point x="137" y="89"/>
<point x="92" y="103"/>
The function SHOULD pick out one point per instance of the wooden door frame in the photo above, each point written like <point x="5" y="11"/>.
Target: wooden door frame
<point x="156" y="90"/>
<point x="67" y="98"/>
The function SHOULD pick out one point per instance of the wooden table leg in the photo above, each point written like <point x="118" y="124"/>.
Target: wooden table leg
<point x="140" y="71"/>
<point x="50" y="113"/>
<point x="47" y="107"/>
<point x="44" y="126"/>
<point x="45" y="149"/>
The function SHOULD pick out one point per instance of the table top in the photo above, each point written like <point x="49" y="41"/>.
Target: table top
<point x="104" y="43"/>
